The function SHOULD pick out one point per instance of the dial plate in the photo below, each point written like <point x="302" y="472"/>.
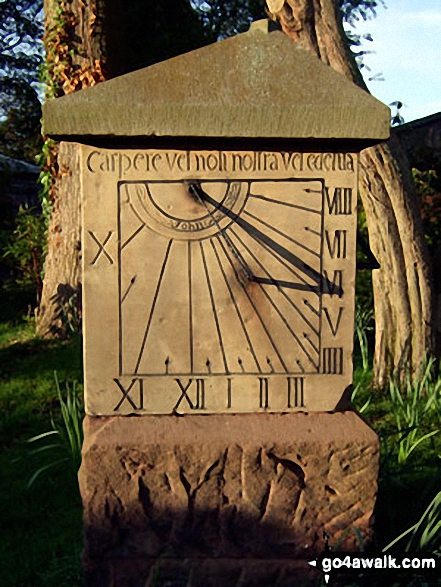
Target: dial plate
<point x="225" y="289"/>
<point x="217" y="299"/>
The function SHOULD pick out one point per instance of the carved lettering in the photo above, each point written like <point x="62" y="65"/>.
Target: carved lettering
<point x="332" y="361"/>
<point x="330" y="162"/>
<point x="199" y="403"/>
<point x="123" y="164"/>
<point x="294" y="160"/>
<point x="229" y="394"/>
<point x="184" y="394"/>
<point x="101" y="247"/>
<point x="340" y="202"/>
<point x="176" y="160"/>
<point x="127" y="397"/>
<point x="333" y="326"/>
<point x="263" y="392"/>
<point x="337" y="243"/>
<point x="200" y="394"/>
<point x="334" y="286"/>
<point x="296" y="385"/>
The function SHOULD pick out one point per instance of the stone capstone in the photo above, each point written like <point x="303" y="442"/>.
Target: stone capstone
<point x="219" y="492"/>
<point x="256" y="84"/>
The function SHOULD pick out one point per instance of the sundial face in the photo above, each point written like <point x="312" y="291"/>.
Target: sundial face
<point x="217" y="281"/>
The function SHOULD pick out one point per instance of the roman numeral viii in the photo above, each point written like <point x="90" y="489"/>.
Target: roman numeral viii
<point x="340" y="202"/>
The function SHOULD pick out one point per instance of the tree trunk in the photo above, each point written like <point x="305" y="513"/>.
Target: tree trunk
<point x="75" y="52"/>
<point x="60" y="308"/>
<point x="404" y="313"/>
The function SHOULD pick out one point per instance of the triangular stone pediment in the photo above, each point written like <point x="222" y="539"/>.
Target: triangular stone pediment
<point x="257" y="84"/>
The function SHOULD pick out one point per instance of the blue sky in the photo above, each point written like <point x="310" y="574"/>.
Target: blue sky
<point x="407" y="52"/>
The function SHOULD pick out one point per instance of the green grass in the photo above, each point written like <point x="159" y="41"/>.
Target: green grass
<point x="27" y="387"/>
<point x="41" y="527"/>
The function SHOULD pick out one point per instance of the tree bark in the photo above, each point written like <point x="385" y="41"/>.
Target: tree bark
<point x="75" y="48"/>
<point x="403" y="297"/>
<point x="60" y="308"/>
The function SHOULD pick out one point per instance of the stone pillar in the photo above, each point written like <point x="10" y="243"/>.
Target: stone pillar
<point x="223" y="500"/>
<point x="219" y="194"/>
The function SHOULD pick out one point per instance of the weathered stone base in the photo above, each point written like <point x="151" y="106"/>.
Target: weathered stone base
<point x="201" y="573"/>
<point x="222" y="499"/>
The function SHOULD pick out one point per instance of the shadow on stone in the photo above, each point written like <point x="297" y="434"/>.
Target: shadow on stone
<point x="223" y="500"/>
<point x="203" y="549"/>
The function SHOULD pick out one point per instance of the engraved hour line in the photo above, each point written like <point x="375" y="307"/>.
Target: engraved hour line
<point x="190" y="307"/>
<point x="308" y="286"/>
<point x="308" y="229"/>
<point x="213" y="306"/>
<point x="308" y="338"/>
<point x="129" y="240"/>
<point x="259" y="197"/>
<point x="279" y="232"/>
<point x="141" y="203"/>
<point x="258" y="235"/>
<point x="120" y="313"/>
<point x="311" y="326"/>
<point x="320" y="300"/>
<point x="130" y="203"/>
<point x="101" y="247"/>
<point x="194" y="192"/>
<point x="255" y="310"/>
<point x="152" y="309"/>
<point x="311" y="307"/>
<point x="271" y="301"/>
<point x="239" y="315"/>
<point x="132" y="283"/>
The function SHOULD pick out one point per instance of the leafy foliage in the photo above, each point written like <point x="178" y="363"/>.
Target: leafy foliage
<point x="364" y="320"/>
<point x="355" y="10"/>
<point x="21" y="28"/>
<point x="154" y="31"/>
<point x="26" y="248"/>
<point x="396" y="116"/>
<point x="21" y="50"/>
<point x="20" y="131"/>
<point x="234" y="16"/>
<point x="425" y="535"/>
<point x="68" y="437"/>
<point x="413" y="407"/>
<point x="430" y="200"/>
<point x="226" y="19"/>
